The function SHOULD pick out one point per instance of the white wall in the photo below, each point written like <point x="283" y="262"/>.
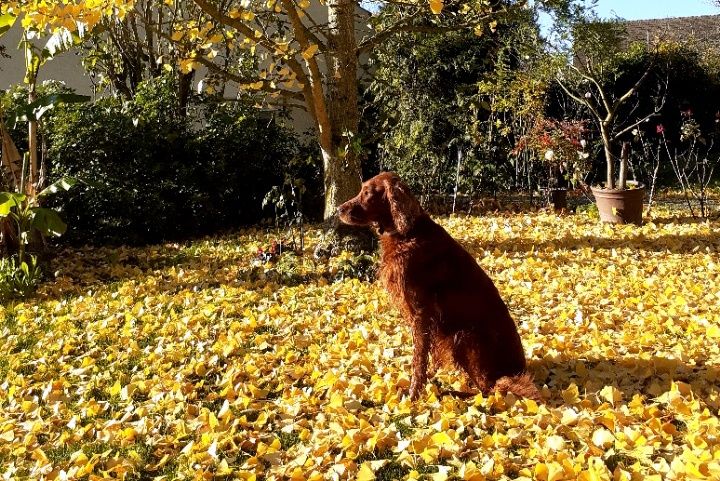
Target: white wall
<point x="65" y="67"/>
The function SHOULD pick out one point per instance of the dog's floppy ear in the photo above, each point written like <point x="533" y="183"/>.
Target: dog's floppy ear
<point x="404" y="207"/>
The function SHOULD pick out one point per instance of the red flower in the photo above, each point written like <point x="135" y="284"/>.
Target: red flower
<point x="660" y="129"/>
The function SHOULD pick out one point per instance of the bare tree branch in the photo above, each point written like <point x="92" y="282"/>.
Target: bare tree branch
<point x="578" y="99"/>
<point x="635" y="87"/>
<point x="594" y="81"/>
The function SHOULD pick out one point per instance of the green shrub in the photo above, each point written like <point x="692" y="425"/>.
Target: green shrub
<point x="136" y="175"/>
<point x="442" y="129"/>
<point x="153" y="175"/>
<point x="243" y="156"/>
<point x="18" y="279"/>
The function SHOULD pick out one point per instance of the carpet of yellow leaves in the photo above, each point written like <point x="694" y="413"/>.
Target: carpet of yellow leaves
<point x="183" y="362"/>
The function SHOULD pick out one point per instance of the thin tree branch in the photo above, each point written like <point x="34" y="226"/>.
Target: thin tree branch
<point x="634" y="124"/>
<point x="579" y="99"/>
<point x="593" y="80"/>
<point x="302" y="30"/>
<point x="635" y="87"/>
<point x="406" y="25"/>
<point x="241" y="80"/>
<point x="212" y="11"/>
<point x="654" y="113"/>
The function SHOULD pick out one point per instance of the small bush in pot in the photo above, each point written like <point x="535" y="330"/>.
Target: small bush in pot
<point x="560" y="145"/>
<point x="602" y="78"/>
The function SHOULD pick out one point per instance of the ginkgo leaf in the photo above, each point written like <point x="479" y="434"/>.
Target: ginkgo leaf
<point x="115" y="389"/>
<point x="611" y="394"/>
<point x="310" y="52"/>
<point x="713" y="331"/>
<point x="441" y="439"/>
<point x="436" y="6"/>
<point x="223" y="469"/>
<point x="365" y="473"/>
<point x="571" y="395"/>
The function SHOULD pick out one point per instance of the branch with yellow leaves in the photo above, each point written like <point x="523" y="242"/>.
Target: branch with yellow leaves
<point x="209" y="9"/>
<point x="239" y="79"/>
<point x="263" y="40"/>
<point x="247" y="81"/>
<point x="416" y="21"/>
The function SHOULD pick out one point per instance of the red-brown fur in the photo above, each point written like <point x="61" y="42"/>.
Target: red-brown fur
<point x="455" y="311"/>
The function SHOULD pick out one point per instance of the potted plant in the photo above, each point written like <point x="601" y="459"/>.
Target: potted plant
<point x="593" y="79"/>
<point x="560" y="145"/>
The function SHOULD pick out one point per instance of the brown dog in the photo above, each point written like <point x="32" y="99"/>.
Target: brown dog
<point x="454" y="309"/>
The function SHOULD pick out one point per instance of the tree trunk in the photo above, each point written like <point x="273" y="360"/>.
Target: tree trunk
<point x="342" y="171"/>
<point x="624" y="158"/>
<point x="185" y="81"/>
<point x="30" y="186"/>
<point x="607" y="144"/>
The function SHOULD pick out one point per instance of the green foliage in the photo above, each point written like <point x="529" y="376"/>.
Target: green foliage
<point x="453" y="105"/>
<point x="152" y="174"/>
<point x="425" y="88"/>
<point x="250" y="155"/>
<point x="36" y="109"/>
<point x="356" y="266"/>
<point x="28" y="216"/>
<point x="25" y="221"/>
<point x="287" y="199"/>
<point x="599" y="43"/>
<point x="18" y="279"/>
<point x="14" y="105"/>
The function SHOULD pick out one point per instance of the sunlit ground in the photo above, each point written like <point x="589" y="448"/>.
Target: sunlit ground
<point x="198" y="361"/>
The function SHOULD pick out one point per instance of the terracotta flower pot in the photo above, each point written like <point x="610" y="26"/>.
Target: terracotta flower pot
<point x="620" y="206"/>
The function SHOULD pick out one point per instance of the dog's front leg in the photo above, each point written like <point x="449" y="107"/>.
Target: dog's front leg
<point x="421" y="351"/>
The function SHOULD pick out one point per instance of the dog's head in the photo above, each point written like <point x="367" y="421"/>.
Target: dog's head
<point x="384" y="201"/>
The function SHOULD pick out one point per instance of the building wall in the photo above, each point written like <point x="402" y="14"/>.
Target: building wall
<point x="66" y="67"/>
<point x="704" y="29"/>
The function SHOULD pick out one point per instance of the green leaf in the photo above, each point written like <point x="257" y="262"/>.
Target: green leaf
<point x="48" y="222"/>
<point x="6" y="204"/>
<point x="66" y="183"/>
<point x="6" y="22"/>
<point x="8" y="200"/>
<point x="36" y="109"/>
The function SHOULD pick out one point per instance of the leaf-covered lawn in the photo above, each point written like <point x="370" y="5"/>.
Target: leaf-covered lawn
<point x="185" y="362"/>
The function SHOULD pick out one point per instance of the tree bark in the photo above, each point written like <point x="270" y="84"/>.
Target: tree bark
<point x="30" y="187"/>
<point x="342" y="171"/>
<point x="185" y="81"/>
<point x="607" y="144"/>
<point x="624" y="159"/>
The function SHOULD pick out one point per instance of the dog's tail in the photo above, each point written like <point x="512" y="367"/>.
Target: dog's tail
<point x="521" y="385"/>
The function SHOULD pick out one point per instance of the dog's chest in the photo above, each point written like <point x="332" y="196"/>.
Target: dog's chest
<point x="395" y="261"/>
